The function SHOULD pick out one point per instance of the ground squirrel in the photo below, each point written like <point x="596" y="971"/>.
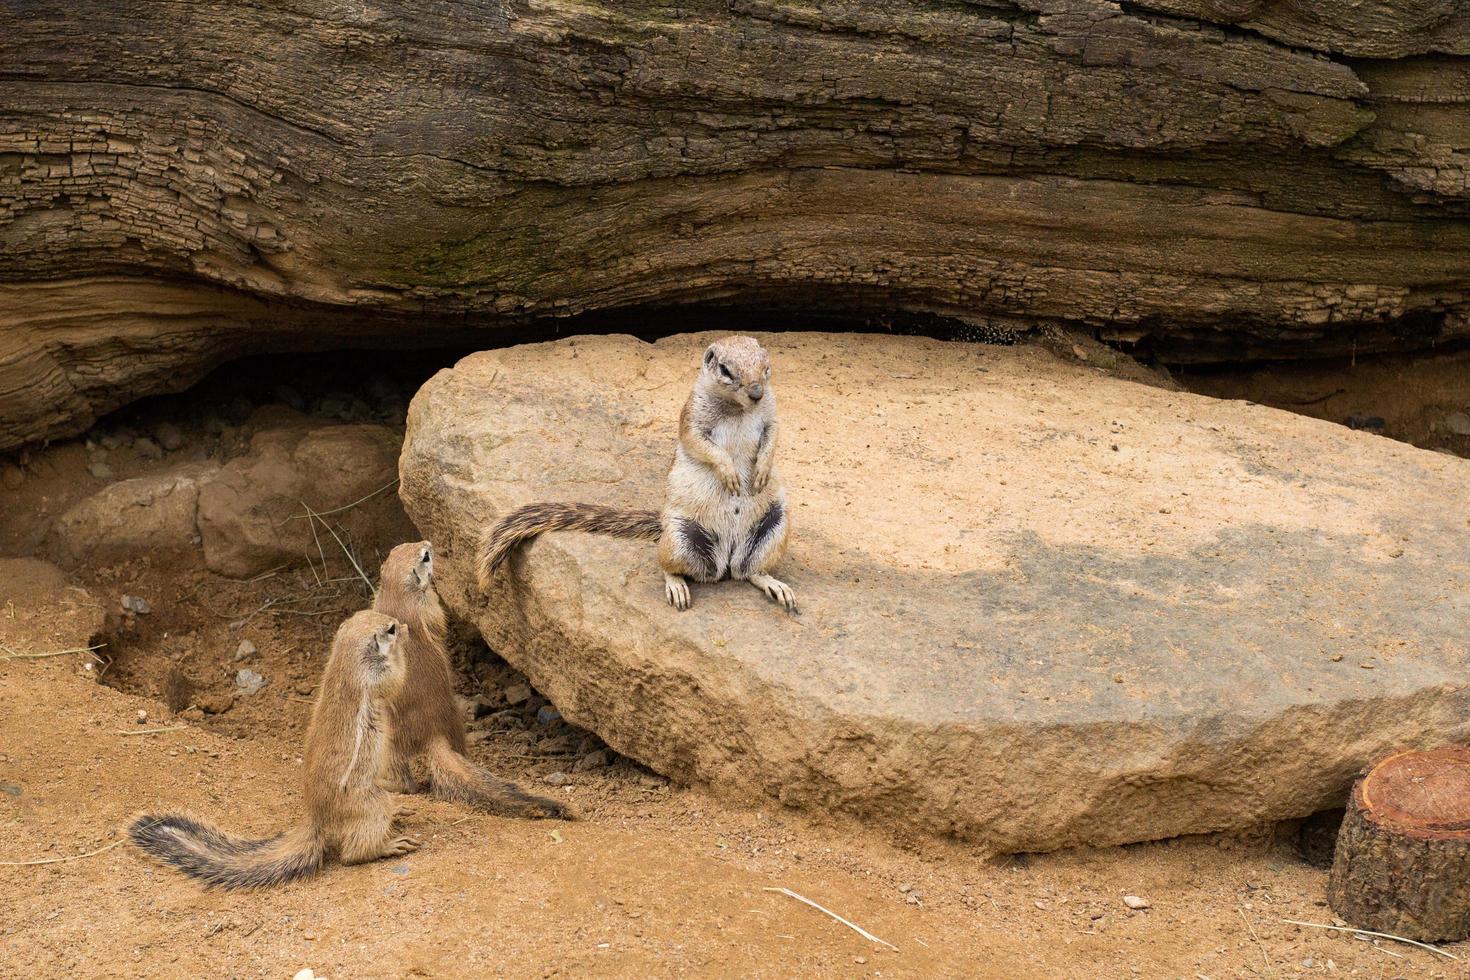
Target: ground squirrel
<point x="426" y="715"/>
<point x="347" y="814"/>
<point x="725" y="510"/>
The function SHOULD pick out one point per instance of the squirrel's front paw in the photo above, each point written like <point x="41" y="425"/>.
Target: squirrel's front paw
<point x="759" y="481"/>
<point x="731" y="480"/>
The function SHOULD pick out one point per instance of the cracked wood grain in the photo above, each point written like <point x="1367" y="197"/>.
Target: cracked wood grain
<point x="187" y="181"/>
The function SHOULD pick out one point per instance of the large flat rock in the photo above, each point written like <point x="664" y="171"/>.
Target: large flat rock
<point x="1039" y="606"/>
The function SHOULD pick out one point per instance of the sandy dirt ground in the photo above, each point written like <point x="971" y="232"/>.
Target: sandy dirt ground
<point x="654" y="880"/>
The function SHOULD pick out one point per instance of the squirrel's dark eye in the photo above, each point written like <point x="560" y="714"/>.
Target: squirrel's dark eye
<point x="726" y="372"/>
<point x="425" y="556"/>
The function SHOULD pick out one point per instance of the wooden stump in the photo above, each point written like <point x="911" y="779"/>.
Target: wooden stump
<point x="1403" y="855"/>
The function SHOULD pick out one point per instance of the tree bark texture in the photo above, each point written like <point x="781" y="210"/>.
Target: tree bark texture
<point x="183" y="181"/>
<point x="1403" y="853"/>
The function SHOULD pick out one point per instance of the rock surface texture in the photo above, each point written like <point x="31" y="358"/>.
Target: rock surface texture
<point x="1039" y="606"/>
<point x="253" y="516"/>
<point x="184" y="182"/>
<point x="158" y="512"/>
<point x="249" y="514"/>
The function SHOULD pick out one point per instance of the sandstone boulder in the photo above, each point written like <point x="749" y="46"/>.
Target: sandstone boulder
<point x="155" y="512"/>
<point x="253" y="514"/>
<point x="1039" y="606"/>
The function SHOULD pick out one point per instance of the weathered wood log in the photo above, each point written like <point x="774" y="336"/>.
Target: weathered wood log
<point x="1403" y="854"/>
<point x="183" y="182"/>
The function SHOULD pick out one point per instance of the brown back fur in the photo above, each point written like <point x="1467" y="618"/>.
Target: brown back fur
<point x="350" y="731"/>
<point x="425" y="707"/>
<point x="345" y="811"/>
<point x="426" y="715"/>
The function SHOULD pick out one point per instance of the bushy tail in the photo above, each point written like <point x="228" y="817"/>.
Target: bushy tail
<point x="531" y="520"/>
<point x="223" y="860"/>
<point x="454" y="777"/>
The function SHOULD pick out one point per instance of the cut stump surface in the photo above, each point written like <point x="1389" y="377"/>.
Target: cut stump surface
<point x="1403" y="855"/>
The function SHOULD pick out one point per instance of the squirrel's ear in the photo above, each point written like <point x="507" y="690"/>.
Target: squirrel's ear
<point x="709" y="355"/>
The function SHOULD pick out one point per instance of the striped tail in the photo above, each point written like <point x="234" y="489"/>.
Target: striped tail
<point x="222" y="860"/>
<point x="455" y="778"/>
<point x="532" y="520"/>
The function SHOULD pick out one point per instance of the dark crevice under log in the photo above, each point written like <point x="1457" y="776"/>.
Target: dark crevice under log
<point x="1207" y="180"/>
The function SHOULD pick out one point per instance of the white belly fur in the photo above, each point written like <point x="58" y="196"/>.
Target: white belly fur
<point x="695" y="491"/>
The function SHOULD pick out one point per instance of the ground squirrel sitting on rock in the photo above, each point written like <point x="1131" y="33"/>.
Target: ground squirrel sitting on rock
<point x="426" y="715"/>
<point x="725" y="510"/>
<point x="347" y="813"/>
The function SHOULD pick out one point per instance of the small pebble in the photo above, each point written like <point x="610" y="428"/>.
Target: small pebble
<point x="517" y="694"/>
<point x="860" y="960"/>
<point x="238" y="408"/>
<point x="1117" y="678"/>
<point x="216" y="704"/>
<point x="136" y="604"/>
<point x="110" y="442"/>
<point x="547" y="714"/>
<point x="249" y="682"/>
<point x="1135" y="903"/>
<point x="142" y="717"/>
<point x="101" y="471"/>
<point x="559" y="745"/>
<point x="592" y="760"/>
<point x="556" y="779"/>
<point x="148" y="449"/>
<point x="905" y="888"/>
<point x="170" y="438"/>
<point x="290" y="396"/>
<point x="914" y="898"/>
<point x="652" y="780"/>
<point x="245" y="651"/>
<point x="335" y="404"/>
<point x="1367" y="665"/>
<point x="1458" y="423"/>
<point x="306" y="974"/>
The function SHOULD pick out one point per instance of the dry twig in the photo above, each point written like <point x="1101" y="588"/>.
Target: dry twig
<point x="338" y="510"/>
<point x="341" y="544"/>
<point x="1265" y="960"/>
<point x="12" y="655"/>
<point x="74" y="857"/>
<point x="851" y="925"/>
<point x="1381" y="935"/>
<point x="150" y="731"/>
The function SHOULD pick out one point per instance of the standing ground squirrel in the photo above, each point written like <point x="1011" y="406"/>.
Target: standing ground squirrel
<point x="426" y="715"/>
<point x="347" y="814"/>
<point x="725" y="510"/>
